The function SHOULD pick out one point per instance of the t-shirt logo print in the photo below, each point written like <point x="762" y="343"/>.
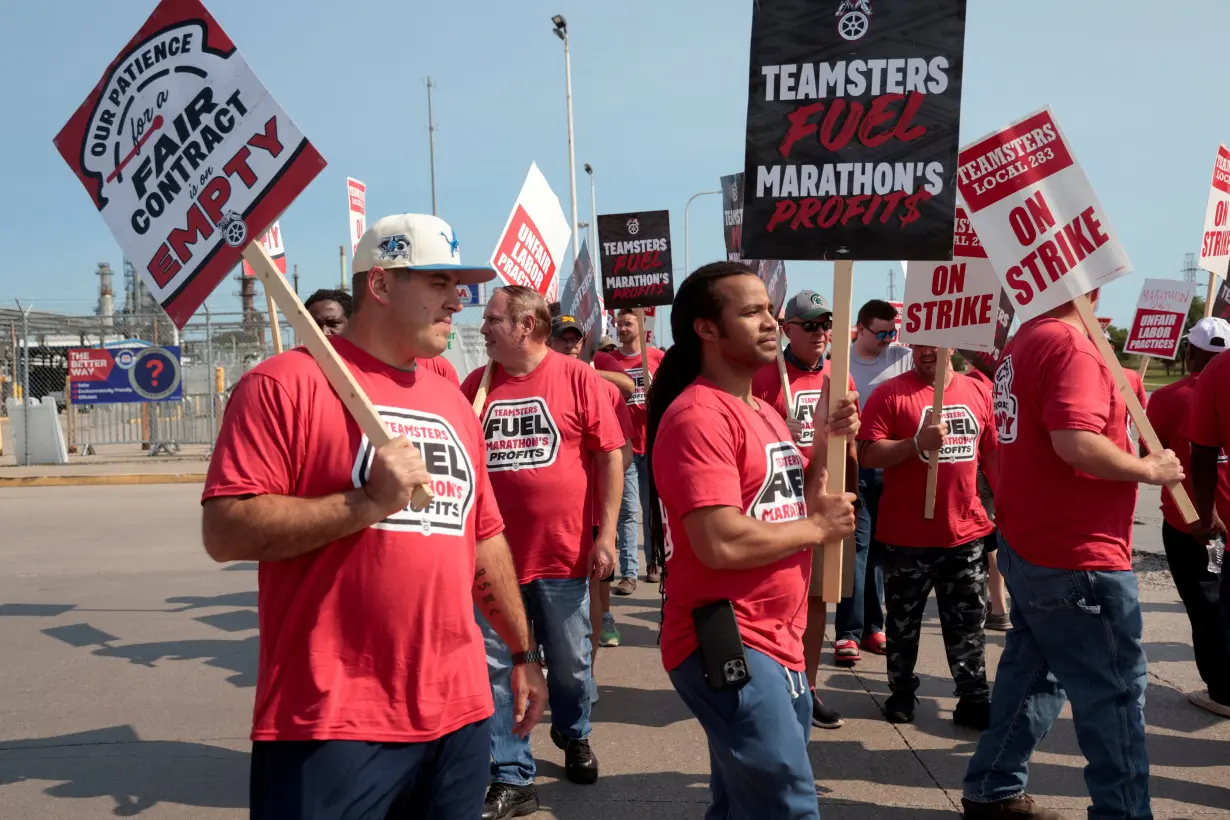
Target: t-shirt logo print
<point x="452" y="472"/>
<point x="1005" y="406"/>
<point x="805" y="402"/>
<point x="520" y="435"/>
<point x="961" y="443"/>
<point x="780" y="497"/>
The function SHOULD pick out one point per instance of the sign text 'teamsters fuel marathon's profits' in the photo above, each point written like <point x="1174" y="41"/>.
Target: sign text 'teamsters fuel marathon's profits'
<point x="852" y="140"/>
<point x="1037" y="216"/>
<point x="186" y="154"/>
<point x="636" y="259"/>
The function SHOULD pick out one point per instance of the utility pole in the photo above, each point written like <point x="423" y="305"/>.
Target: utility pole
<point x="431" y="144"/>
<point x="892" y="285"/>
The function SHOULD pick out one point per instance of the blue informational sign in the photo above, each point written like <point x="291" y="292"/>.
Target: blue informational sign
<point x="470" y="295"/>
<point x="114" y="376"/>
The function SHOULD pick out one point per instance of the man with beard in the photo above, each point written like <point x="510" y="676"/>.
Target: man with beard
<point x="636" y="480"/>
<point x="739" y="520"/>
<point x="372" y="697"/>
<point x="808" y="324"/>
<point x="947" y="552"/>
<point x="548" y="428"/>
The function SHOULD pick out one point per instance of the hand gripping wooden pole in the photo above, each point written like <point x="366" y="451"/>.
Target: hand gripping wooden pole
<point x="1147" y="434"/>
<point x="340" y="378"/>
<point x="937" y="416"/>
<point x="827" y="559"/>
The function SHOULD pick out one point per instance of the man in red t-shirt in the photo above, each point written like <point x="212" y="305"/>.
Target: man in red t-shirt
<point x="371" y="686"/>
<point x="636" y="480"/>
<point x="1065" y="497"/>
<point x="997" y="595"/>
<point x="549" y="428"/>
<point x="330" y="309"/>
<point x="739" y="517"/>
<point x="808" y="324"/>
<point x="566" y="339"/>
<point x="946" y="552"/>
<point x="1205" y="421"/>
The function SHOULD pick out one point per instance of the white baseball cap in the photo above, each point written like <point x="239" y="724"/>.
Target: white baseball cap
<point x="415" y="242"/>
<point x="1210" y="334"/>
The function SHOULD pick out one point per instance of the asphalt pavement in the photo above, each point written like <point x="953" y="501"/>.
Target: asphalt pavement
<point x="130" y="661"/>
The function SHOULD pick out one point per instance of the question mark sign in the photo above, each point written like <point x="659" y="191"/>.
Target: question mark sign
<point x="155" y="367"/>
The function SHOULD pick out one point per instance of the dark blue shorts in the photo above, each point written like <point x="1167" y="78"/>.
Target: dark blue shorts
<point x="444" y="779"/>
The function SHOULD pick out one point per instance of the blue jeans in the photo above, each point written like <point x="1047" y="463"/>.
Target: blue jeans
<point x="635" y="500"/>
<point x="558" y="612"/>
<point x="862" y="613"/>
<point x="1075" y="636"/>
<point x="758" y="763"/>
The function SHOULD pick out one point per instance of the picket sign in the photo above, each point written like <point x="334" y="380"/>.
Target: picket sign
<point x="340" y="378"/>
<point x="1147" y="434"/>
<point x="785" y="378"/>
<point x="937" y="414"/>
<point x="828" y="559"/>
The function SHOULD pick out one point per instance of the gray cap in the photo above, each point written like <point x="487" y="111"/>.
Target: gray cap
<point x="807" y="305"/>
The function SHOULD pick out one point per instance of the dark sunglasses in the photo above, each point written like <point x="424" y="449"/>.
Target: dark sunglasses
<point x="885" y="335"/>
<point x="816" y="324"/>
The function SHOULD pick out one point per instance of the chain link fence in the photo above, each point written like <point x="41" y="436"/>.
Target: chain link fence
<point x="215" y="350"/>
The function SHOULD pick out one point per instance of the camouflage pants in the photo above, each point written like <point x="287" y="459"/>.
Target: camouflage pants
<point x="959" y="577"/>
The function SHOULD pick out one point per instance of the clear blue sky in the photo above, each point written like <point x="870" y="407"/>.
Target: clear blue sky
<point x="660" y="98"/>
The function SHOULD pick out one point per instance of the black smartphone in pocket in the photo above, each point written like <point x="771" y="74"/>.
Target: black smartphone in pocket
<point x="721" y="646"/>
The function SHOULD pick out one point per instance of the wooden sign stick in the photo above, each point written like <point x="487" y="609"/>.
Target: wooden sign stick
<point x="480" y="395"/>
<point x="781" y="372"/>
<point x="937" y="416"/>
<point x="1212" y="294"/>
<point x="273" y="322"/>
<point x="1147" y="434"/>
<point x="827" y="559"/>
<point x="335" y="370"/>
<point x="1144" y="365"/>
<point x="640" y="318"/>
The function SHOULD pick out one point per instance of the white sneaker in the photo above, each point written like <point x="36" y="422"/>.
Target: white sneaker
<point x="1205" y="702"/>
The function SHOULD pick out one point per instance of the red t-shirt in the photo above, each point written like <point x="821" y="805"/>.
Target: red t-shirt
<point x="636" y="402"/>
<point x="1168" y="413"/>
<point x="976" y="375"/>
<point x="712" y="450"/>
<point x="605" y="361"/>
<point x="441" y="367"/>
<point x="371" y="637"/>
<point x="541" y="431"/>
<point x="625" y="428"/>
<point x="895" y="412"/>
<point x="1051" y="377"/>
<point x="1208" y="421"/>
<point x="1138" y="387"/>
<point x="806" y="387"/>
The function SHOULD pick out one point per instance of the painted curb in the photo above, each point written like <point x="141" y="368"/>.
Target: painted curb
<point x="101" y="480"/>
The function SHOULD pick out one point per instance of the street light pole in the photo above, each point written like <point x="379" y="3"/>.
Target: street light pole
<point x="593" y="217"/>
<point x="561" y="31"/>
<point x="687" y="268"/>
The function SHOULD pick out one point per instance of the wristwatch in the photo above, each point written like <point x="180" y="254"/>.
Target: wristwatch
<point x="532" y="656"/>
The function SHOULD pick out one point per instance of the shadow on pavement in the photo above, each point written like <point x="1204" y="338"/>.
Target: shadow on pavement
<point x="136" y="774"/>
<point x="245" y="598"/>
<point x="238" y="656"/>
<point x="655" y="708"/>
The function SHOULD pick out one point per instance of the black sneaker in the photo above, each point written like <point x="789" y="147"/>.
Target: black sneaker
<point x="899" y="708"/>
<point x="580" y="762"/>
<point x="972" y="714"/>
<point x="822" y="717"/>
<point x="505" y="800"/>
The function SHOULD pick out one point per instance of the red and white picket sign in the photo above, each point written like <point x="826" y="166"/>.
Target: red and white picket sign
<point x="272" y="240"/>
<point x="356" y="201"/>
<point x="1043" y="227"/>
<point x="953" y="304"/>
<point x="534" y="238"/>
<point x="1161" y="313"/>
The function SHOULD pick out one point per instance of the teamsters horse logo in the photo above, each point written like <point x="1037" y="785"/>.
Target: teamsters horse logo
<point x="853" y="18"/>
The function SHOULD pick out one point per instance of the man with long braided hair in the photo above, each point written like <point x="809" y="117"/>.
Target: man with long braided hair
<point x="739" y="516"/>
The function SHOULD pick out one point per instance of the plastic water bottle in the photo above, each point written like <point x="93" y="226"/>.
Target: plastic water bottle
<point x="1217" y="550"/>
